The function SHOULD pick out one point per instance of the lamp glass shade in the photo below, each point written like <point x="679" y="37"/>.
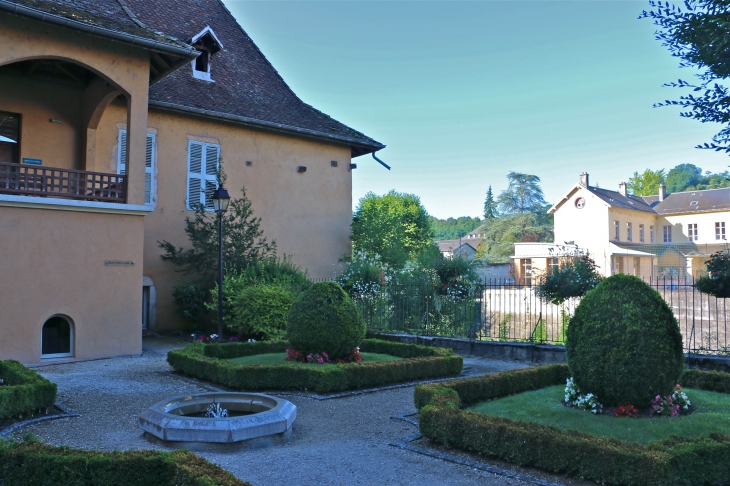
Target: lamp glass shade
<point x="220" y="200"/>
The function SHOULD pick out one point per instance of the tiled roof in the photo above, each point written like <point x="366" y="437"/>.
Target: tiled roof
<point x="451" y="245"/>
<point x="675" y="203"/>
<point x="618" y="200"/>
<point x="107" y="15"/>
<point x="247" y="88"/>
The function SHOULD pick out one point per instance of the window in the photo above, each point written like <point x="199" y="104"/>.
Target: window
<point x="57" y="338"/>
<point x="637" y="267"/>
<point x="527" y="271"/>
<point x="9" y="137"/>
<point x="641" y="233"/>
<point x="667" y="234"/>
<point x="203" y="162"/>
<point x="149" y="163"/>
<point x="692" y="232"/>
<point x="629" y="232"/>
<point x="615" y="231"/>
<point x="207" y="44"/>
<point x="651" y="234"/>
<point x="720" y="231"/>
<point x="618" y="264"/>
<point x="552" y="265"/>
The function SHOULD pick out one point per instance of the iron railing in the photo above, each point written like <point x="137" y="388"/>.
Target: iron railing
<point x="498" y="310"/>
<point x="29" y="180"/>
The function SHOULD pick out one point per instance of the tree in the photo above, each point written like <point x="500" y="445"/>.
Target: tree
<point x="451" y="228"/>
<point x="646" y="183"/>
<point x="490" y="207"/>
<point x="243" y="242"/>
<point x="394" y="227"/>
<point x="699" y="36"/>
<point x="523" y="195"/>
<point x="682" y="177"/>
<point x="505" y="231"/>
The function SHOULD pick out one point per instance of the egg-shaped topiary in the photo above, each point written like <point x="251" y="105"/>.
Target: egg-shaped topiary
<point x="324" y="318"/>
<point x="623" y="344"/>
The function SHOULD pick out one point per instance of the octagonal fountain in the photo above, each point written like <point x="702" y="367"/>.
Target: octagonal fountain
<point x="219" y="420"/>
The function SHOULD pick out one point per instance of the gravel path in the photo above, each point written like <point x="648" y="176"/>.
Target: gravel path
<point x="338" y="441"/>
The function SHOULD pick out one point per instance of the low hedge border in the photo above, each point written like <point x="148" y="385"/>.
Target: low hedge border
<point x="207" y="362"/>
<point x="24" y="391"/>
<point x="675" y="461"/>
<point x="31" y="462"/>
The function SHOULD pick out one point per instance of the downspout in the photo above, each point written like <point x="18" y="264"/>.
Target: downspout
<point x="380" y="161"/>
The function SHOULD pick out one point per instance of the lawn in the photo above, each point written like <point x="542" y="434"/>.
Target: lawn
<point x="279" y="359"/>
<point x="544" y="406"/>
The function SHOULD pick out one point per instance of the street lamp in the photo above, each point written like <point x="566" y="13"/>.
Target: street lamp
<point x="220" y="204"/>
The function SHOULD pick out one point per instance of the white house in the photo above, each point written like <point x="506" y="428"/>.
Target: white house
<point x="667" y="235"/>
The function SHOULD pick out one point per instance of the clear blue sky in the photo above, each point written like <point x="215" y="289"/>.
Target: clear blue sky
<point x="463" y="92"/>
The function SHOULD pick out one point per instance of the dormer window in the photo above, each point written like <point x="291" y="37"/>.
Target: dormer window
<point x="207" y="43"/>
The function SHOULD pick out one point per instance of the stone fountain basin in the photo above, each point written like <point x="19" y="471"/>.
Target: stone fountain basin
<point x="268" y="420"/>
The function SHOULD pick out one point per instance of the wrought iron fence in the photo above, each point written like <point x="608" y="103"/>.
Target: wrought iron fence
<point x="498" y="310"/>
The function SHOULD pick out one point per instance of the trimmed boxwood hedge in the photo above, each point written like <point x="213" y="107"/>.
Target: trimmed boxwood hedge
<point x="208" y="362"/>
<point x="31" y="462"/>
<point x="24" y="391"/>
<point x="675" y="461"/>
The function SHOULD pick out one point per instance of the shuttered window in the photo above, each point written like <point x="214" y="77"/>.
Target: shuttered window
<point x="203" y="161"/>
<point x="149" y="163"/>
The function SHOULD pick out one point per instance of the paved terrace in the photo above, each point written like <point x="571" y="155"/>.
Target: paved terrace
<point x="344" y="440"/>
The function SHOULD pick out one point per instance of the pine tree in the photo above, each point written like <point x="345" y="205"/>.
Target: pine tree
<point x="490" y="207"/>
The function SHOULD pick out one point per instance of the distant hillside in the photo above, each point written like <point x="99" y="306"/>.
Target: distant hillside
<point x="449" y="229"/>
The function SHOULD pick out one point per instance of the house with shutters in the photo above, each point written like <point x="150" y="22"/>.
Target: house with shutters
<point x="115" y="116"/>
<point x="665" y="236"/>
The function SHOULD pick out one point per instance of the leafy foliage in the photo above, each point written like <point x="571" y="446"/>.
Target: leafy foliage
<point x="717" y="280"/>
<point x="394" y="227"/>
<point x="243" y="241"/>
<point x="623" y="344"/>
<point x="453" y="228"/>
<point x="503" y="232"/>
<point x="191" y="301"/>
<point x="524" y="195"/>
<point x="324" y="318"/>
<point x="700" y="37"/>
<point x="682" y="177"/>
<point x="261" y="310"/>
<point x="647" y="183"/>
<point x="24" y="391"/>
<point x="575" y="276"/>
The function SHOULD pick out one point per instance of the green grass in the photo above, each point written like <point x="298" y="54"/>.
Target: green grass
<point x="712" y="414"/>
<point x="279" y="359"/>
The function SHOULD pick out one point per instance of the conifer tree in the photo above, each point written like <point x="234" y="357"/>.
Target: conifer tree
<point x="490" y="207"/>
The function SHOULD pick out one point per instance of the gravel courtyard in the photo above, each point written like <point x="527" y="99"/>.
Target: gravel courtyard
<point x="336" y="441"/>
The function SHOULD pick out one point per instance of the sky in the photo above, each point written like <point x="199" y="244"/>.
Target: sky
<point x="463" y="92"/>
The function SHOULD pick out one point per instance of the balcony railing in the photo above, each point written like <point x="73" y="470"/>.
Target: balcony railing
<point x="28" y="180"/>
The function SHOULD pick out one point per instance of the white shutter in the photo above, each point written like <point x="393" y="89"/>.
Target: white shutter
<point x="203" y="162"/>
<point x="149" y="170"/>
<point x="122" y="153"/>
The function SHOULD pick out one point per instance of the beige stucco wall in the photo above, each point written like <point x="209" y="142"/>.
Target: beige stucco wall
<point x="307" y="214"/>
<point x="54" y="259"/>
<point x="58" y="145"/>
<point x="54" y="264"/>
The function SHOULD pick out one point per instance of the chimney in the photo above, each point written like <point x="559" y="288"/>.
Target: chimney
<point x="662" y="192"/>
<point x="622" y="188"/>
<point x="584" y="179"/>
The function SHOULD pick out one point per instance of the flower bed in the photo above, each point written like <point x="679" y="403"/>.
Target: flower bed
<point x="24" y="391"/>
<point x="208" y="362"/>
<point x="678" y="461"/>
<point x="30" y="462"/>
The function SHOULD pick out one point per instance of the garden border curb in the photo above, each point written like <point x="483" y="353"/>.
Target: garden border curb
<point x="68" y="412"/>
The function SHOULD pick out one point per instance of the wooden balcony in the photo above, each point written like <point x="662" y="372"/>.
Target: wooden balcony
<point x="30" y="180"/>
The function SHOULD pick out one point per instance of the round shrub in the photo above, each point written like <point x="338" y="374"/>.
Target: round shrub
<point x="261" y="310"/>
<point x="324" y="318"/>
<point x="623" y="344"/>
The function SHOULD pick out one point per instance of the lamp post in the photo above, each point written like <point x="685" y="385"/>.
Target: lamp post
<point x="220" y="204"/>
